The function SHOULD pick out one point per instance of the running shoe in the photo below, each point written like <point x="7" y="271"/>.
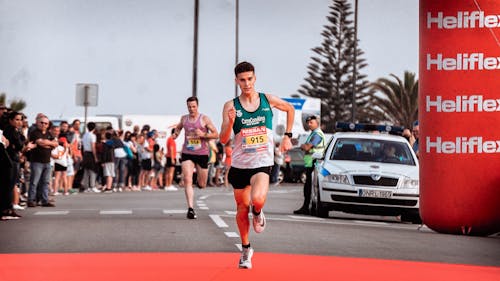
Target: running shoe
<point x="246" y="258"/>
<point x="259" y="222"/>
<point x="170" y="188"/>
<point x="191" y="214"/>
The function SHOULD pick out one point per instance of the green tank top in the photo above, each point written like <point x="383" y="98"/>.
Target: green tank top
<point x="253" y="136"/>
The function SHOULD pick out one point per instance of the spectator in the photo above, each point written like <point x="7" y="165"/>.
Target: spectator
<point x="219" y="164"/>
<point x="132" y="163"/>
<point x="120" y="160"/>
<point x="415" y="132"/>
<point x="89" y="162"/>
<point x="278" y="162"/>
<point x="212" y="159"/>
<point x="40" y="163"/>
<point x="171" y="156"/>
<point x="158" y="166"/>
<point x="106" y="158"/>
<point x="228" y="150"/>
<point x="7" y="213"/>
<point x="75" y="144"/>
<point x="60" y="154"/>
<point x="315" y="142"/>
<point x="15" y="145"/>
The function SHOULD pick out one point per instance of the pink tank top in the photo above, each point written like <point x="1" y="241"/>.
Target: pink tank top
<point x="192" y="144"/>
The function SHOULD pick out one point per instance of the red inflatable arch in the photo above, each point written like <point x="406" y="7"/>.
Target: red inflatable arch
<point x="459" y="107"/>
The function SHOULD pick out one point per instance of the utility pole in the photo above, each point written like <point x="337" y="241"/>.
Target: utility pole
<point x="354" y="68"/>
<point x="237" y="27"/>
<point x="195" y="47"/>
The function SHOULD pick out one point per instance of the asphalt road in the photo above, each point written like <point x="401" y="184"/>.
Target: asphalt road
<point x="156" y="222"/>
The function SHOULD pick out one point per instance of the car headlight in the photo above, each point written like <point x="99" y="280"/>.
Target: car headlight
<point x="409" y="183"/>
<point x="336" y="178"/>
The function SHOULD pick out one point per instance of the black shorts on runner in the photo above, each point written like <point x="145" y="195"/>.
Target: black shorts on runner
<point x="240" y="178"/>
<point x="200" y="160"/>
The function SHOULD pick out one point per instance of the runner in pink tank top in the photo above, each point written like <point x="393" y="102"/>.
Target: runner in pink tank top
<point x="198" y="129"/>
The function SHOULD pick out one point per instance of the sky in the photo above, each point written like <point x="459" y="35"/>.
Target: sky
<point x="140" y="52"/>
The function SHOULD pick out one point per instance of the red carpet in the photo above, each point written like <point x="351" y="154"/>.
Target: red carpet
<point x="223" y="266"/>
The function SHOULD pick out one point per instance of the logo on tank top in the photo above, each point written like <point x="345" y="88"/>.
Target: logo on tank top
<point x="253" y="121"/>
<point x="239" y="113"/>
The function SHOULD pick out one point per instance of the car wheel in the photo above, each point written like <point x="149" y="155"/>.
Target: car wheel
<point x="303" y="177"/>
<point x="317" y="208"/>
<point x="281" y="176"/>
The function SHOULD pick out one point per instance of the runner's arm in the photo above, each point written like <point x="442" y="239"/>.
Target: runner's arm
<point x="285" y="106"/>
<point x="228" y="116"/>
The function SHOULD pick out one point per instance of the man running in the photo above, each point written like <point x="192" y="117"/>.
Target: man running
<point x="250" y="117"/>
<point x="198" y="129"/>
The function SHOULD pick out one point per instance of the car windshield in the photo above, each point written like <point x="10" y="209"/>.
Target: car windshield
<point x="372" y="150"/>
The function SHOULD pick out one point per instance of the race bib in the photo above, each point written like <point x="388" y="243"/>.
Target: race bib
<point x="254" y="139"/>
<point x="193" y="144"/>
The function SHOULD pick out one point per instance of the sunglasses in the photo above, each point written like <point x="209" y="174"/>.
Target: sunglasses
<point x="44" y="123"/>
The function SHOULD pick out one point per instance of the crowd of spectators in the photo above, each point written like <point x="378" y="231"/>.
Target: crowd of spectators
<point x="45" y="160"/>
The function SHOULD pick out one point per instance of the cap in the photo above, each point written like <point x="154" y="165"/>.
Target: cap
<point x="310" y="117"/>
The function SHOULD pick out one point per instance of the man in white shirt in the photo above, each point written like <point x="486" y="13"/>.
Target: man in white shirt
<point x="89" y="162"/>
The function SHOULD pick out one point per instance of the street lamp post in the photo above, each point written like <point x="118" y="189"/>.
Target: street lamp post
<point x="354" y="68"/>
<point x="195" y="47"/>
<point x="237" y="27"/>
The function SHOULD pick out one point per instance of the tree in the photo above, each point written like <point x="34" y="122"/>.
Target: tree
<point x="15" y="104"/>
<point x="330" y="74"/>
<point x="397" y="100"/>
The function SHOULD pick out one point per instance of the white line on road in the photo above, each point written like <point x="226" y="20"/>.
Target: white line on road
<point x="168" y="212"/>
<point x="231" y="234"/>
<point x="203" y="197"/>
<point x="230" y="212"/>
<point x="218" y="221"/>
<point x="306" y="218"/>
<point x="50" y="213"/>
<point x="239" y="247"/>
<point x="203" y="207"/>
<point x="370" y="222"/>
<point x="116" y="212"/>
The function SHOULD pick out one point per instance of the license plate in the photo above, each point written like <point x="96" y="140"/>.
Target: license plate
<point x="375" y="193"/>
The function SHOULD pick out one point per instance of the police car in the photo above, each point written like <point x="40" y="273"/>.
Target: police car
<point x="367" y="173"/>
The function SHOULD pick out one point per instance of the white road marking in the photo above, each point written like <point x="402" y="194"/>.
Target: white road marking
<point x="230" y="212"/>
<point x="116" y="212"/>
<point x="306" y="218"/>
<point x="370" y="222"/>
<point x="200" y="202"/>
<point x="218" y="221"/>
<point x="51" y="213"/>
<point x="168" y="212"/>
<point x="239" y="247"/>
<point x="203" y="208"/>
<point x="231" y="234"/>
<point x="204" y="197"/>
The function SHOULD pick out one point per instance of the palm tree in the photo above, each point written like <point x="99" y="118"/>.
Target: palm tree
<point x="15" y="104"/>
<point x="397" y="101"/>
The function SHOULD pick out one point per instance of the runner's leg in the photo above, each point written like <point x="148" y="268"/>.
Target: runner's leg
<point x="242" y="198"/>
<point x="187" y="174"/>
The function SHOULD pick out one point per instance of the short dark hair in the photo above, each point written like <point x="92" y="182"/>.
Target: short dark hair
<point x="243" y="67"/>
<point x="90" y="126"/>
<point x="193" y="98"/>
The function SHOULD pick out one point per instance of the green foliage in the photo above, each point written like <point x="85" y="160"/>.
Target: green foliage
<point x="330" y="74"/>
<point x="397" y="101"/>
<point x="15" y="104"/>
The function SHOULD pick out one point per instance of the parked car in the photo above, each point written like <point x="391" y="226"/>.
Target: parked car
<point x="367" y="173"/>
<point x="293" y="169"/>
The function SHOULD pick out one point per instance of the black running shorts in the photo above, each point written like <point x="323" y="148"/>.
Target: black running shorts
<point x="240" y="178"/>
<point x="200" y="160"/>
